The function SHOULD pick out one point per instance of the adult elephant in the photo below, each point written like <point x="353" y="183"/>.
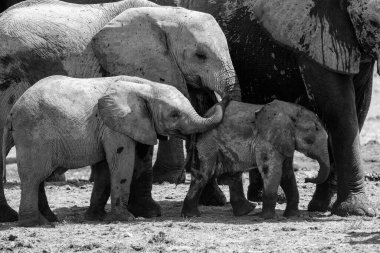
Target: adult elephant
<point x="320" y="53"/>
<point x="170" y="155"/>
<point x="170" y="45"/>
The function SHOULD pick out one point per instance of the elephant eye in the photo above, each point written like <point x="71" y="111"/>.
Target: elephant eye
<point x="200" y="56"/>
<point x="175" y="114"/>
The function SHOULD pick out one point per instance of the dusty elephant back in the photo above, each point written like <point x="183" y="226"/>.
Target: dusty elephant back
<point x="43" y="38"/>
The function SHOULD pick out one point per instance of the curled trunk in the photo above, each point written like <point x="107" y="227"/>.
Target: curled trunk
<point x="198" y="124"/>
<point x="324" y="169"/>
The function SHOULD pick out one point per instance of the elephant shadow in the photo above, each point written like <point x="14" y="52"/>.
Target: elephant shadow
<point x="357" y="238"/>
<point x="171" y="211"/>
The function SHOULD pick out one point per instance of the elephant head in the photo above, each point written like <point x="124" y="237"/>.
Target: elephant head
<point x="168" y="45"/>
<point x="288" y="128"/>
<point x="141" y="111"/>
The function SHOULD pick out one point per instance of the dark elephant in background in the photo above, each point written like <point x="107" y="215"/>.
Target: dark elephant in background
<point x="318" y="53"/>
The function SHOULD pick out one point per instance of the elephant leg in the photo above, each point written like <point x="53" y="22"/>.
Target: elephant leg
<point x="141" y="203"/>
<point x="43" y="204"/>
<point x="100" y="192"/>
<point x="169" y="162"/>
<point x="334" y="96"/>
<point x="289" y="185"/>
<point x="255" y="188"/>
<point x="212" y="195"/>
<point x="240" y="205"/>
<point x="363" y="91"/>
<point x="7" y="214"/>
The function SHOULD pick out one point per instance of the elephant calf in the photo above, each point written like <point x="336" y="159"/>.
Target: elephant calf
<point x="262" y="136"/>
<point x="65" y="123"/>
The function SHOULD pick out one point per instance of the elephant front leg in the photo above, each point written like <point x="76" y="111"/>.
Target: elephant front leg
<point x="169" y="162"/>
<point x="43" y="204"/>
<point x="334" y="96"/>
<point x="270" y="163"/>
<point x="141" y="203"/>
<point x="100" y="192"/>
<point x="199" y="179"/>
<point x="120" y="153"/>
<point x="289" y="185"/>
<point x="240" y="205"/>
<point x="255" y="188"/>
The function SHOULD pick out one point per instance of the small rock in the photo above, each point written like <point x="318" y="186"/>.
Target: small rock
<point x="68" y="188"/>
<point x="288" y="229"/>
<point x="137" y="247"/>
<point x="12" y="237"/>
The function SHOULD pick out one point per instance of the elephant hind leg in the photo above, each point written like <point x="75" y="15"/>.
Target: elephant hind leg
<point x="240" y="205"/>
<point x="43" y="205"/>
<point x="7" y="214"/>
<point x="29" y="211"/>
<point x="34" y="166"/>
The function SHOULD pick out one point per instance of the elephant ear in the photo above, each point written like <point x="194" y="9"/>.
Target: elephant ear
<point x="276" y="128"/>
<point x="321" y="30"/>
<point x="128" y="114"/>
<point x="135" y="44"/>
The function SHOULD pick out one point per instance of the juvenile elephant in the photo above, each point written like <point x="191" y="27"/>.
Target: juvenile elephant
<point x="262" y="136"/>
<point x="64" y="123"/>
<point x="169" y="45"/>
<point x="319" y="53"/>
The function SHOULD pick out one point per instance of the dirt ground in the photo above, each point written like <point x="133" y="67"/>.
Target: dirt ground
<point x="217" y="230"/>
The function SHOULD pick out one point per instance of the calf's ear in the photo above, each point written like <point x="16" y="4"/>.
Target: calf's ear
<point x="276" y="128"/>
<point x="127" y="113"/>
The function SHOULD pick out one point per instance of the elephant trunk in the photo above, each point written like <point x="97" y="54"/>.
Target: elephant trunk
<point x="324" y="168"/>
<point x="229" y="84"/>
<point x="198" y="124"/>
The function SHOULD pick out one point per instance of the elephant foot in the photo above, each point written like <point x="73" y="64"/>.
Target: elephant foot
<point x="291" y="212"/>
<point x="355" y="204"/>
<point x="7" y="214"/>
<point x="268" y="215"/>
<point x="243" y="207"/>
<point x="190" y="210"/>
<point x="49" y="215"/>
<point x="120" y="215"/>
<point x="144" y="207"/>
<point x="319" y="205"/>
<point x="95" y="214"/>
<point x="212" y="195"/>
<point x="33" y="222"/>
<point x="173" y="176"/>
<point x="321" y="201"/>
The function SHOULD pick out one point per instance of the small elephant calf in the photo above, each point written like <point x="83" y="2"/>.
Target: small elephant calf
<point x="262" y="136"/>
<point x="65" y="123"/>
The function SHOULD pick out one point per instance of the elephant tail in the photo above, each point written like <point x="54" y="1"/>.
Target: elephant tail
<point x="7" y="144"/>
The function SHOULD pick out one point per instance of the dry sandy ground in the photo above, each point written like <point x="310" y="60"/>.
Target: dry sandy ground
<point x="217" y="230"/>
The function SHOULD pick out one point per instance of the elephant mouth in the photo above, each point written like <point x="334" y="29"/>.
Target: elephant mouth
<point x="176" y="133"/>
